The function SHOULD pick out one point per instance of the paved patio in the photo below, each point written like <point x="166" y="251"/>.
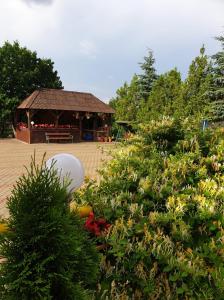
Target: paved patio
<point x="14" y="155"/>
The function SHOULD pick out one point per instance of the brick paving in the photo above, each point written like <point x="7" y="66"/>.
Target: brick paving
<point x="15" y="155"/>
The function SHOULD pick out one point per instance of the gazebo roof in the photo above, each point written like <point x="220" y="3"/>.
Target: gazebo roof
<point x="55" y="99"/>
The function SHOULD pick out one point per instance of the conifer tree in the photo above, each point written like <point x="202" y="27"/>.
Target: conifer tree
<point x="127" y="100"/>
<point x="48" y="254"/>
<point x="164" y="98"/>
<point x="196" y="86"/>
<point x="149" y="75"/>
<point x="216" y="93"/>
<point x="130" y="97"/>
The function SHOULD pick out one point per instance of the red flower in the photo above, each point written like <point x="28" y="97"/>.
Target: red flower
<point x="97" y="227"/>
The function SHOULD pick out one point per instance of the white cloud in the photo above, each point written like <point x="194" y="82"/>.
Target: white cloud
<point x="88" y="48"/>
<point x="28" y="25"/>
<point x="91" y="40"/>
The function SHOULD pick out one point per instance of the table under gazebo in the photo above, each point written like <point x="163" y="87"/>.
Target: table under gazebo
<point x="59" y="112"/>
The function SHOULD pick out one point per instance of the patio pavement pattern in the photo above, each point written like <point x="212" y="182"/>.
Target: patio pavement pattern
<point x="15" y="155"/>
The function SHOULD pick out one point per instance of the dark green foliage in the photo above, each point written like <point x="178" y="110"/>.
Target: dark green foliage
<point x="131" y="97"/>
<point x="148" y="76"/>
<point x="149" y="96"/>
<point x="48" y="253"/>
<point x="7" y="106"/>
<point x="127" y="101"/>
<point x="21" y="71"/>
<point x="172" y="97"/>
<point x="216" y="92"/>
<point x="163" y="194"/>
<point x="164" y="99"/>
<point x="196" y="87"/>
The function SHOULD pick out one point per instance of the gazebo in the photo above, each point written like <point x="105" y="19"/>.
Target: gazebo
<point x="47" y="111"/>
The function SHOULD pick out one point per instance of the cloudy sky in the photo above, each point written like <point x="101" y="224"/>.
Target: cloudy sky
<point x="97" y="44"/>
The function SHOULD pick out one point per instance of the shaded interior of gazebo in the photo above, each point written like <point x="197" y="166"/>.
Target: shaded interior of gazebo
<point x="32" y="125"/>
<point x="90" y="120"/>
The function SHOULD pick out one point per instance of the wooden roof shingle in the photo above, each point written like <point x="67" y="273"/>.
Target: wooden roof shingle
<point x="55" y="99"/>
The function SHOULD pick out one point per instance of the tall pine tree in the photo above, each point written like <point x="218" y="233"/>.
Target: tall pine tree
<point x="216" y="93"/>
<point x="148" y="76"/>
<point x="196" y="86"/>
<point x="164" y="98"/>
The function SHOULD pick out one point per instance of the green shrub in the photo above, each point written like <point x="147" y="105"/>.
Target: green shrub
<point x="163" y="194"/>
<point x="48" y="254"/>
<point x="164" y="133"/>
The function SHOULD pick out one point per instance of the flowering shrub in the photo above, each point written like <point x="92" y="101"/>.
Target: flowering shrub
<point x="22" y="125"/>
<point x="3" y="227"/>
<point x="96" y="226"/>
<point x="163" y="193"/>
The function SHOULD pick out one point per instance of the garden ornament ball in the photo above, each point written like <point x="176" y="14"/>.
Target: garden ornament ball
<point x="67" y="167"/>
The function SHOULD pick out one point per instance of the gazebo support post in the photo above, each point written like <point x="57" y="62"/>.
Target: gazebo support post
<point x="15" y="120"/>
<point x="56" y="121"/>
<point x="30" y="114"/>
<point x="56" y="115"/>
<point x="80" y="127"/>
<point x="94" y="126"/>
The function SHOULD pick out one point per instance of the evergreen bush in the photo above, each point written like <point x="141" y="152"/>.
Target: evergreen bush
<point x="48" y="254"/>
<point x="216" y="92"/>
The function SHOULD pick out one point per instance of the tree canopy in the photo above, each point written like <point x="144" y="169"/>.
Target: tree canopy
<point x="164" y="96"/>
<point x="22" y="71"/>
<point x="217" y="88"/>
<point x="148" y="76"/>
<point x="127" y="100"/>
<point x="196" y="86"/>
<point x="7" y="106"/>
<point x="150" y="96"/>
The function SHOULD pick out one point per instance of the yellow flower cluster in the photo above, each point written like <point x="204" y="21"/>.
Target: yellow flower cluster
<point x="4" y="228"/>
<point x="83" y="211"/>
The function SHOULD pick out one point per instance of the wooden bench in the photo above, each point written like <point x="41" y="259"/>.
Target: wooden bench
<point x="58" y="136"/>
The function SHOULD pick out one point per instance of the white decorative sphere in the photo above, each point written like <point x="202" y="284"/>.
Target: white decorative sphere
<point x="67" y="167"/>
